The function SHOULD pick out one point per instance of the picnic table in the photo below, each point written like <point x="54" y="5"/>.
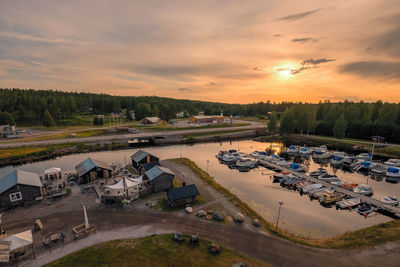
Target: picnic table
<point x="53" y="239"/>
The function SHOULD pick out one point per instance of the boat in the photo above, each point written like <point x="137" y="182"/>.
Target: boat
<point x="297" y="167"/>
<point x="246" y="162"/>
<point x="328" y="199"/>
<point x="390" y="200"/>
<point x="349" y="162"/>
<point x="290" y="180"/>
<point x="316" y="193"/>
<point x="349" y="186"/>
<point x="328" y="178"/>
<point x="305" y="151"/>
<point x="379" y="169"/>
<point x="273" y="158"/>
<point x="221" y="154"/>
<point x="392" y="162"/>
<point x="393" y="172"/>
<point x="283" y="163"/>
<point x="364" y="166"/>
<point x="279" y="176"/>
<point x="261" y="155"/>
<point x="292" y="150"/>
<point x="337" y="183"/>
<point x="364" y="189"/>
<point x="321" y="153"/>
<point x="302" y="184"/>
<point x="365" y="209"/>
<point x="231" y="157"/>
<point x="318" y="172"/>
<point x="337" y="160"/>
<point x="307" y="189"/>
<point x="348" y="203"/>
<point x="364" y="156"/>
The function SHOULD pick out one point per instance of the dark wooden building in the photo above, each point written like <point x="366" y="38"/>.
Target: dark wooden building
<point x="90" y="170"/>
<point x="147" y="166"/>
<point x="160" y="177"/>
<point x="18" y="188"/>
<point x="182" y="195"/>
<point x="141" y="157"/>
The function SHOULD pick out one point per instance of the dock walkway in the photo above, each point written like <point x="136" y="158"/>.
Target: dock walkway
<point x="363" y="198"/>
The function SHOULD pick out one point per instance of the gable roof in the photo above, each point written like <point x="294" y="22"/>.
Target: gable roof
<point x="20" y="240"/>
<point x="157" y="171"/>
<point x="19" y="177"/>
<point x="148" y="166"/>
<point x="140" y="154"/>
<point x="152" y="119"/>
<point x="88" y="164"/>
<point x="183" y="192"/>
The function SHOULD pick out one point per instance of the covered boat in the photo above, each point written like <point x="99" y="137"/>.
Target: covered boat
<point x="292" y="150"/>
<point x="364" y="156"/>
<point x="364" y="189"/>
<point x="321" y="153"/>
<point x="390" y="200"/>
<point x="305" y="151"/>
<point x="348" y="203"/>
<point x="393" y="172"/>
<point x="365" y="209"/>
<point x="318" y="172"/>
<point x="328" y="178"/>
<point x="297" y="167"/>
<point x="337" y="160"/>
<point x="309" y="188"/>
<point x="246" y="162"/>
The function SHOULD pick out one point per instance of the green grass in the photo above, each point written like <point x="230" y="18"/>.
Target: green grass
<point x="64" y="135"/>
<point x="214" y="133"/>
<point x="367" y="237"/>
<point x="156" y="250"/>
<point x="20" y="152"/>
<point x="166" y="127"/>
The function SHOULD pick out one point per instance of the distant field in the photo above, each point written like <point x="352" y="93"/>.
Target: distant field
<point x="152" y="251"/>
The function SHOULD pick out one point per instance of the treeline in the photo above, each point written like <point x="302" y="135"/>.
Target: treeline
<point x="50" y="107"/>
<point x="347" y="119"/>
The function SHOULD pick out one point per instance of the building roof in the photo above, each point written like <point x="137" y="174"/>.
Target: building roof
<point x="152" y="119"/>
<point x="20" y="240"/>
<point x="52" y="170"/>
<point x="148" y="166"/>
<point x="19" y="177"/>
<point x="157" y="171"/>
<point x="5" y="247"/>
<point x="88" y="164"/>
<point x="182" y="192"/>
<point x="140" y="154"/>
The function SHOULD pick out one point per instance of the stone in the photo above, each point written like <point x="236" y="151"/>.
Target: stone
<point x="256" y="222"/>
<point x="201" y="213"/>
<point x="189" y="210"/>
<point x="217" y="216"/>
<point x="238" y="217"/>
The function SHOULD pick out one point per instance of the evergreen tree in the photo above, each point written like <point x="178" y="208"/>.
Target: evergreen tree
<point x="272" y="123"/>
<point x="339" y="131"/>
<point x="48" y="120"/>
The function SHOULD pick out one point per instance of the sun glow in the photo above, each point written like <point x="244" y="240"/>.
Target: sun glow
<point x="284" y="72"/>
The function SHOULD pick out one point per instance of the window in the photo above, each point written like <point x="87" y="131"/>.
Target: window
<point x="15" y="196"/>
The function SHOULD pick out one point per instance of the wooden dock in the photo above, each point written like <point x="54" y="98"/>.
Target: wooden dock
<point x="370" y="200"/>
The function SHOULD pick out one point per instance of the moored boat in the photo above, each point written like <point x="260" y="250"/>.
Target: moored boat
<point x="298" y="167"/>
<point x="318" y="172"/>
<point x="365" y="209"/>
<point x="321" y="153"/>
<point x="393" y="172"/>
<point x="364" y="156"/>
<point x="390" y="200"/>
<point x="348" y="203"/>
<point x="292" y="150"/>
<point x="392" y="162"/>
<point x="337" y="160"/>
<point x="328" y="178"/>
<point x="364" y="189"/>
<point x="305" y="151"/>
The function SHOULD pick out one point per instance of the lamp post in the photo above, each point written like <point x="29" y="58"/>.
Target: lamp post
<point x="279" y="212"/>
<point x="207" y="165"/>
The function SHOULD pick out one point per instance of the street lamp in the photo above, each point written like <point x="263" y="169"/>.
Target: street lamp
<point x="279" y="212"/>
<point x="207" y="165"/>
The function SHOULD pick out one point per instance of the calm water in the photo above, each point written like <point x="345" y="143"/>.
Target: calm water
<point x="299" y="215"/>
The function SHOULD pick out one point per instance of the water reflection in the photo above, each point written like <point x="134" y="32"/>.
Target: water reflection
<point x="298" y="215"/>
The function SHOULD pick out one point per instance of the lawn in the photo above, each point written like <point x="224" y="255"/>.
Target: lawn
<point x="64" y="135"/>
<point x="19" y="152"/>
<point x="157" y="250"/>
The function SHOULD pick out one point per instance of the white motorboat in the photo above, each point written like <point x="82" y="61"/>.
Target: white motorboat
<point x="390" y="200"/>
<point x="308" y="188"/>
<point x="318" y="172"/>
<point x="292" y="150"/>
<point x="260" y="155"/>
<point x="379" y="168"/>
<point x="393" y="172"/>
<point x="246" y="162"/>
<point x="364" y="156"/>
<point x="298" y="167"/>
<point x="254" y="153"/>
<point x="231" y="157"/>
<point x="272" y="158"/>
<point x="364" y="189"/>
<point x="328" y="178"/>
<point x="337" y="160"/>
<point x="321" y="153"/>
<point x="393" y="162"/>
<point x="221" y="154"/>
<point x="348" y="203"/>
<point x="305" y="151"/>
<point x="349" y="162"/>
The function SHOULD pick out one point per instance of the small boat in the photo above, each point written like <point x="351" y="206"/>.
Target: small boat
<point x="261" y="155"/>
<point x="364" y="166"/>
<point x="393" y="162"/>
<point x="246" y="162"/>
<point x="379" y="169"/>
<point x="364" y="189"/>
<point x="349" y="162"/>
<point x="393" y="172"/>
<point x="290" y="180"/>
<point x="231" y="157"/>
<point x="292" y="150"/>
<point x="337" y="160"/>
<point x="348" y="203"/>
<point x="221" y="154"/>
<point x="390" y="200"/>
<point x="364" y="156"/>
<point x="297" y="167"/>
<point x="328" y="199"/>
<point x="328" y="178"/>
<point x="283" y="163"/>
<point x="365" y="209"/>
<point x="318" y="172"/>
<point x="279" y="176"/>
<point x="316" y="193"/>
<point x="301" y="184"/>
<point x="305" y="151"/>
<point x="321" y="153"/>
<point x="307" y="189"/>
<point x="273" y="158"/>
<point x="337" y="183"/>
<point x="349" y="186"/>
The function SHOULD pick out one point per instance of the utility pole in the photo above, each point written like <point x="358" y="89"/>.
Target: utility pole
<point x="279" y="212"/>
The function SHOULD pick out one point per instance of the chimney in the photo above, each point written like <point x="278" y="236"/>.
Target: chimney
<point x="148" y="158"/>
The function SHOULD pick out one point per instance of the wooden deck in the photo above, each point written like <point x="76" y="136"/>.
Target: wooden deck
<point x="370" y="200"/>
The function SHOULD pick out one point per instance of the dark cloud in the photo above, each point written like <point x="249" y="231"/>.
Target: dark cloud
<point x="314" y="62"/>
<point x="373" y="69"/>
<point x="211" y="84"/>
<point x="297" y="16"/>
<point x="277" y="35"/>
<point x="304" y="40"/>
<point x="389" y="41"/>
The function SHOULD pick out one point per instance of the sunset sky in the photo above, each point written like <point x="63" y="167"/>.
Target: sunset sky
<point x="229" y="51"/>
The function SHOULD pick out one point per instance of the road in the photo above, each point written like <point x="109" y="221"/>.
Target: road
<point x="252" y="125"/>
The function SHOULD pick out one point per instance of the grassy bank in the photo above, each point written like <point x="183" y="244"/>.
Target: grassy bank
<point x="214" y="133"/>
<point x="367" y="237"/>
<point x="167" y="127"/>
<point x="158" y="250"/>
